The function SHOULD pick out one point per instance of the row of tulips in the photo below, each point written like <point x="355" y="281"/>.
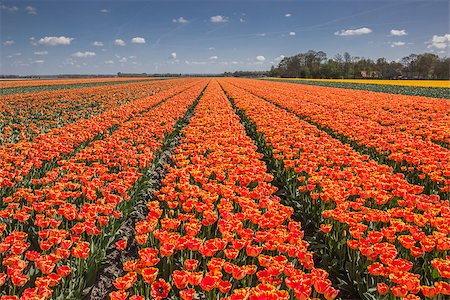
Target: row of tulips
<point x="425" y="117"/>
<point x="427" y="162"/>
<point x="386" y="225"/>
<point x="24" y="116"/>
<point x="54" y="235"/>
<point x="26" y="160"/>
<point x="216" y="230"/>
<point x="424" y="121"/>
<point x="45" y="82"/>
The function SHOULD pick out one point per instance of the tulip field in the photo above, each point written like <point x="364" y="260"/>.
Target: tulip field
<point x="425" y="88"/>
<point x="33" y="86"/>
<point x="222" y="188"/>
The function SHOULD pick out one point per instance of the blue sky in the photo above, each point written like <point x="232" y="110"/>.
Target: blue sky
<point x="106" y="37"/>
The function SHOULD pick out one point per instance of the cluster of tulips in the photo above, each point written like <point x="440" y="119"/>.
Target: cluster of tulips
<point x="420" y="116"/>
<point x="216" y="229"/>
<point x="401" y="234"/>
<point x="26" y="159"/>
<point x="24" y="116"/>
<point x="54" y="232"/>
<point x="411" y="150"/>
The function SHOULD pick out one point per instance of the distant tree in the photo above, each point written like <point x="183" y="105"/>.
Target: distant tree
<point x="330" y="69"/>
<point x="313" y="64"/>
<point x="340" y="63"/>
<point x="426" y="63"/>
<point x="365" y="66"/>
<point x="347" y="64"/>
<point x="247" y="74"/>
<point x="408" y="63"/>
<point x="442" y="69"/>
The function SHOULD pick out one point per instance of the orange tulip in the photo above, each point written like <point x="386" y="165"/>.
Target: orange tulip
<point x="149" y="274"/>
<point x="180" y="279"/>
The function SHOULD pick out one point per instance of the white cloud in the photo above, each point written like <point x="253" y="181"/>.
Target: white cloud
<point x="350" y="32"/>
<point x="105" y="11"/>
<point x="214" y="57"/>
<point x="397" y="44"/>
<point x="119" y="42"/>
<point x="439" y="41"/>
<point x="173" y="55"/>
<point x="83" y="54"/>
<point x="288" y="15"/>
<point x="121" y="59"/>
<point x="260" y="34"/>
<point x="292" y="33"/>
<point x="69" y="61"/>
<point x="260" y="58"/>
<point x="39" y="61"/>
<point x="397" y="32"/>
<point x="138" y="40"/>
<point x="180" y="20"/>
<point x="279" y="58"/>
<point x="40" y="53"/>
<point x="97" y="44"/>
<point x="31" y="10"/>
<point x="8" y="43"/>
<point x="218" y="19"/>
<point x="195" y="62"/>
<point x="11" y="9"/>
<point x="242" y="20"/>
<point x="54" y="40"/>
<point x="211" y="48"/>
<point x="33" y="41"/>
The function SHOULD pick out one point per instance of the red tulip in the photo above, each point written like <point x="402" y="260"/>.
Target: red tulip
<point x="160" y="289"/>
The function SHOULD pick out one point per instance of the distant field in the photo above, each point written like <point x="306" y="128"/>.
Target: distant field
<point x="7" y="83"/>
<point x="34" y="86"/>
<point x="415" y="83"/>
<point x="427" y="88"/>
<point x="327" y="193"/>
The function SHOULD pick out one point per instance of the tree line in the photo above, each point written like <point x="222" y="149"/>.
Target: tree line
<point x="314" y="64"/>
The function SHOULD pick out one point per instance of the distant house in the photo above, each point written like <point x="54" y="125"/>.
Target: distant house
<point x="370" y="74"/>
